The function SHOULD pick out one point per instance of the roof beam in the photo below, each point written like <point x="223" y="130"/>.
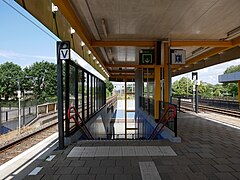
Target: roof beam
<point x="122" y="43"/>
<point x="201" y="43"/>
<point x="68" y="12"/>
<point x="122" y="71"/>
<point x="130" y="65"/>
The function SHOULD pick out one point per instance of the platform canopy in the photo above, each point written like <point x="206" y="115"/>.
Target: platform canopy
<point x="231" y="77"/>
<point x="116" y="30"/>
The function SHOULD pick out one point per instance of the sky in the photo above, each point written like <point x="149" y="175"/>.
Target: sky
<point x="23" y="43"/>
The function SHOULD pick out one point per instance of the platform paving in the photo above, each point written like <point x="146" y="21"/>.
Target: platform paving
<point x="208" y="151"/>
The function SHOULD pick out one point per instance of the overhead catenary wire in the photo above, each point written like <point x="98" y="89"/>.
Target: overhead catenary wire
<point x="11" y="6"/>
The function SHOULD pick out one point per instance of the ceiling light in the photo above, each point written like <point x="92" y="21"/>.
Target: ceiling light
<point x="100" y="65"/>
<point x="89" y="52"/>
<point x="97" y="62"/>
<point x="82" y="43"/>
<point x="94" y="57"/>
<point x="72" y="31"/>
<point x="104" y="27"/>
<point x="54" y="8"/>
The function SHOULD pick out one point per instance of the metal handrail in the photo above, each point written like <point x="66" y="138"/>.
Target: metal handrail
<point x="156" y="130"/>
<point x="79" y="122"/>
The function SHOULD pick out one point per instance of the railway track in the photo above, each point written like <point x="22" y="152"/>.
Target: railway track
<point x="188" y="106"/>
<point x="13" y="149"/>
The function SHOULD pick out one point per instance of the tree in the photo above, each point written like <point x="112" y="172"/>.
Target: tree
<point x="231" y="88"/>
<point x="45" y="80"/>
<point x="232" y="69"/>
<point x="182" y="87"/>
<point x="10" y="73"/>
<point x="109" y="88"/>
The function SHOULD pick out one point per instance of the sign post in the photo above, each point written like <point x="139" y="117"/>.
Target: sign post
<point x="63" y="53"/>
<point x="195" y="91"/>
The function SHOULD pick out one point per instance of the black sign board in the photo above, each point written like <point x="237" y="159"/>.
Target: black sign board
<point x="146" y="56"/>
<point x="63" y="50"/>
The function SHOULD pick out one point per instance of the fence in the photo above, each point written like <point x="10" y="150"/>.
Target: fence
<point x="9" y="119"/>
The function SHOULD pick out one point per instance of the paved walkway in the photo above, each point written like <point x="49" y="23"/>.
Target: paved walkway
<point x="208" y="151"/>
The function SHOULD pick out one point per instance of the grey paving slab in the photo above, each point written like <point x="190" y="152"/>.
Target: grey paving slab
<point x="149" y="171"/>
<point x="223" y="168"/>
<point x="64" y="170"/>
<point x="85" y="177"/>
<point x="104" y="177"/>
<point x="225" y="176"/>
<point x="123" y="177"/>
<point x="128" y="151"/>
<point x="52" y="177"/>
<point x="81" y="170"/>
<point x="76" y="163"/>
<point x="98" y="170"/>
<point x="68" y="177"/>
<point x="115" y="170"/>
<point x="208" y="151"/>
<point x="107" y="163"/>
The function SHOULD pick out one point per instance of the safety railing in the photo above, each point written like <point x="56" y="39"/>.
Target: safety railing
<point x="147" y="105"/>
<point x="169" y="114"/>
<point x="79" y="122"/>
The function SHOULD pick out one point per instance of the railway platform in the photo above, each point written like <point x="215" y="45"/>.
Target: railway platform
<point x="209" y="150"/>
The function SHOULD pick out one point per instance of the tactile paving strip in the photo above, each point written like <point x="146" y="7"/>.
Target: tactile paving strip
<point x="109" y="151"/>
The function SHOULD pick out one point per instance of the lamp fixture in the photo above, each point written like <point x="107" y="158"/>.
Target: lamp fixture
<point x="89" y="52"/>
<point x="54" y="8"/>
<point x="94" y="58"/>
<point x="82" y="43"/>
<point x="104" y="27"/>
<point x="72" y="31"/>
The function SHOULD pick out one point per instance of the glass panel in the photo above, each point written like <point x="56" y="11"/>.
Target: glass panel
<point x="71" y="91"/>
<point x="85" y="96"/>
<point x="90" y="94"/>
<point x="130" y="102"/>
<point x="130" y="87"/>
<point x="80" y="92"/>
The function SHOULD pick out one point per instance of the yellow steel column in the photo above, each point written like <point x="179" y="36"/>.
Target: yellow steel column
<point x="157" y="91"/>
<point x="239" y="93"/>
<point x="157" y="83"/>
<point x="166" y="75"/>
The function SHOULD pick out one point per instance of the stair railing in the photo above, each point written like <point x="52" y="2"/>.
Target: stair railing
<point x="164" y="121"/>
<point x="79" y="122"/>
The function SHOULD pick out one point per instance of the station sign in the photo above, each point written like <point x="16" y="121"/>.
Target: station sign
<point x="146" y="56"/>
<point x="178" y="56"/>
<point x="63" y="48"/>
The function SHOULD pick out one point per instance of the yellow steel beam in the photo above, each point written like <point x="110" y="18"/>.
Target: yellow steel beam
<point x="122" y="43"/>
<point x="205" y="55"/>
<point x="166" y="74"/>
<point x="128" y="77"/>
<point x="68" y="12"/>
<point x="129" y="65"/>
<point x="201" y="43"/>
<point x="122" y="71"/>
<point x="236" y="41"/>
